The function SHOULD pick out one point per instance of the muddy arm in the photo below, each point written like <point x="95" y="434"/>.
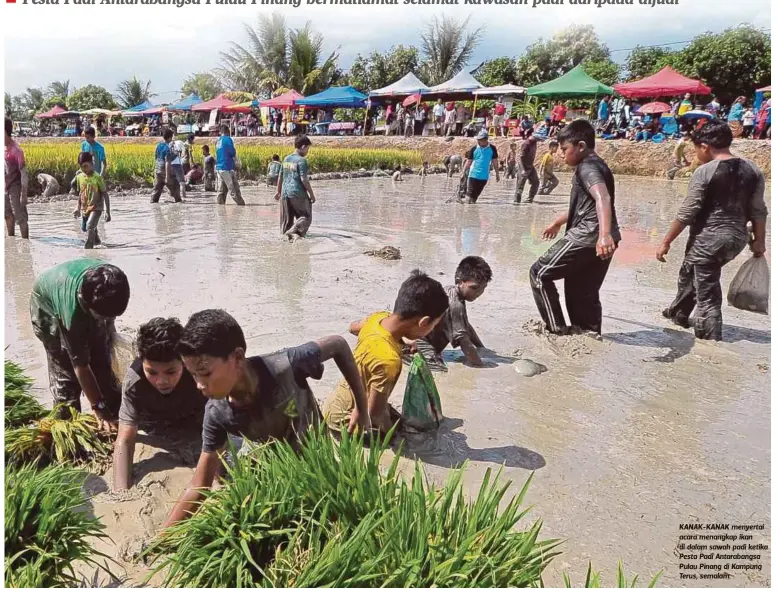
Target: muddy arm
<point x="123" y="452"/>
<point x="205" y="474"/>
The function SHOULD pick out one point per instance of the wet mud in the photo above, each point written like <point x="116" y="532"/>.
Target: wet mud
<point x="628" y="436"/>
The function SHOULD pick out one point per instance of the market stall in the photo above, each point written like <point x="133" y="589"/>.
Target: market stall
<point x="336" y="97"/>
<point x="666" y="82"/>
<point x="576" y="83"/>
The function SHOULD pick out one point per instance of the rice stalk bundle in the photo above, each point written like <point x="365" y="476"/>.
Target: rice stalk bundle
<point x="75" y="440"/>
<point x="21" y="408"/>
<point x="330" y="516"/>
<point x="46" y="527"/>
<point x="593" y="579"/>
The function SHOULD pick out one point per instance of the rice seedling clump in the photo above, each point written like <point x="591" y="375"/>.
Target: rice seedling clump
<point x="330" y="516"/>
<point x="21" y="408"/>
<point x="46" y="528"/>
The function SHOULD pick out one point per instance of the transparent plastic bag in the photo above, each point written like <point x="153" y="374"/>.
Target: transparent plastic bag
<point x="750" y="289"/>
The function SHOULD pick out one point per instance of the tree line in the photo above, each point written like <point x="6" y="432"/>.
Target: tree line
<point x="276" y="58"/>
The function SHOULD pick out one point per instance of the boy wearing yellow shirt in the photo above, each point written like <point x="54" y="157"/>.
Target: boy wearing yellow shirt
<point x="420" y="304"/>
<point x="548" y="178"/>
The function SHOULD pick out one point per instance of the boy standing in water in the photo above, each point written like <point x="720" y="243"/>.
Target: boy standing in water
<point x="96" y="149"/>
<point x="528" y="173"/>
<point x="273" y="170"/>
<point x="260" y="398"/>
<point x="421" y="302"/>
<point x="725" y="193"/>
<point x="295" y="192"/>
<point x="209" y="167"/>
<point x="225" y="168"/>
<point x="15" y="185"/>
<point x="186" y="157"/>
<point x="93" y="199"/>
<point x="510" y="162"/>
<point x="163" y="158"/>
<point x="548" y="178"/>
<point x="582" y="257"/>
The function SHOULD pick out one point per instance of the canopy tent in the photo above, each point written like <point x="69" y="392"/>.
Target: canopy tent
<point x="666" y="82"/>
<point x="503" y="90"/>
<point x="156" y="110"/>
<point x="460" y="86"/>
<point x="573" y="84"/>
<point x="186" y="104"/>
<point x="101" y="112"/>
<point x="137" y="108"/>
<point x="760" y="96"/>
<point x="282" y="101"/>
<point x="219" y="103"/>
<point x="55" y="111"/>
<point x="242" y="107"/>
<point x="343" y="97"/>
<point x="408" y="84"/>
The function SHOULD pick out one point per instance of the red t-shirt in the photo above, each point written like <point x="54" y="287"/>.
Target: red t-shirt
<point x="558" y="113"/>
<point x="499" y="109"/>
<point x="14" y="163"/>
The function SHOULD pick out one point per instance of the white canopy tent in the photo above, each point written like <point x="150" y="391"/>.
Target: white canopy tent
<point x="407" y="85"/>
<point x="505" y="89"/>
<point x="462" y="82"/>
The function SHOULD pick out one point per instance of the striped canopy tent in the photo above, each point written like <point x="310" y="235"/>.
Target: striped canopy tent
<point x="503" y="90"/>
<point x="55" y="111"/>
<point x="98" y="111"/>
<point x="246" y="107"/>
<point x="156" y="110"/>
<point x="286" y="100"/>
<point x="219" y="103"/>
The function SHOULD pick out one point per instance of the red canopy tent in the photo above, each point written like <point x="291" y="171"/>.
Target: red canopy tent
<point x="666" y="82"/>
<point x="219" y="102"/>
<point x="51" y="113"/>
<point x="282" y="101"/>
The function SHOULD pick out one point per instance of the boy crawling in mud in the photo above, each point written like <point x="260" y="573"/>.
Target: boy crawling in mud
<point x="725" y="193"/>
<point x="92" y="199"/>
<point x="420" y="304"/>
<point x="583" y="255"/>
<point x="470" y="280"/>
<point x="260" y="398"/>
<point x="158" y="393"/>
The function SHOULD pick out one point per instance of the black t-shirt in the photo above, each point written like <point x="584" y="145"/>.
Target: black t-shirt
<point x="265" y="418"/>
<point x="144" y="405"/>
<point x="582" y="225"/>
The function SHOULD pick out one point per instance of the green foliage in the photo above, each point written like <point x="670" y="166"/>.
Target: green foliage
<point x="46" y="528"/>
<point x="20" y="407"/>
<point x="330" y="516"/>
<point x="644" y="61"/>
<point x="90" y="97"/>
<point x="605" y="70"/>
<point x="593" y="579"/>
<point x="529" y="106"/>
<point x="447" y="46"/>
<point x="381" y="69"/>
<point x="203" y="84"/>
<point x="133" y="92"/>
<point x="498" y="71"/>
<point x="546" y="60"/>
<point x="59" y="89"/>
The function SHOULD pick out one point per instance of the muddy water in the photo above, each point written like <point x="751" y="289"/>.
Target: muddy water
<point x="628" y="437"/>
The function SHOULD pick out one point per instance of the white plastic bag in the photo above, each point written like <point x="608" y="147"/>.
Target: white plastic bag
<point x="750" y="289"/>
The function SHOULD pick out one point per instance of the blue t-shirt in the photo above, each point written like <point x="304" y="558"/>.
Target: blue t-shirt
<point x="161" y="155"/>
<point x="736" y="113"/>
<point x="481" y="161"/>
<point x="602" y="113"/>
<point x="98" y="154"/>
<point x="295" y="170"/>
<point x="225" y="153"/>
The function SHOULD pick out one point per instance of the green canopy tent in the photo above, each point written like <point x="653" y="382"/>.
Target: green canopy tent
<point x="576" y="83"/>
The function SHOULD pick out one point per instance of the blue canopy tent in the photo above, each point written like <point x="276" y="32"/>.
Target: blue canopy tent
<point x="141" y="107"/>
<point x="342" y="97"/>
<point x="185" y="104"/>
<point x="760" y="97"/>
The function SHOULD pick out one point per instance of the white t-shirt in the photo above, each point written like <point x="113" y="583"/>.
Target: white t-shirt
<point x="450" y="116"/>
<point x="438" y="110"/>
<point x="178" y="150"/>
<point x="748" y="117"/>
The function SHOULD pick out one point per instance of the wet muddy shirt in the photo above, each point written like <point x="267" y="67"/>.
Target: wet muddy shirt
<point x="14" y="163"/>
<point x="91" y="192"/>
<point x="295" y="171"/>
<point x="583" y="227"/>
<point x="273" y="169"/>
<point x="144" y="405"/>
<point x="270" y="415"/>
<point x="55" y="310"/>
<point x="453" y="326"/>
<point x="209" y="163"/>
<point x="724" y="195"/>
<point x="379" y="360"/>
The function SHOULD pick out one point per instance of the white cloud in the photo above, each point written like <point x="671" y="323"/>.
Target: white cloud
<point x="104" y="44"/>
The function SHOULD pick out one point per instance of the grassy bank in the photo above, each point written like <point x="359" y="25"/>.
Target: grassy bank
<point x="133" y="164"/>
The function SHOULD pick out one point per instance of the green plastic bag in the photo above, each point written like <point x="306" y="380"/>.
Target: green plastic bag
<point x="421" y="404"/>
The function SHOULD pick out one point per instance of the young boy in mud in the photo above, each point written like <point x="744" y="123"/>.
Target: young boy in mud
<point x="510" y="162"/>
<point x="680" y="161"/>
<point x="260" y="398"/>
<point x="295" y="192"/>
<point x="529" y="148"/>
<point x="273" y="170"/>
<point x="472" y="276"/>
<point x="549" y="180"/>
<point x="49" y="185"/>
<point x="194" y="176"/>
<point x="209" y="166"/>
<point x="583" y="255"/>
<point x="73" y="307"/>
<point x="163" y="176"/>
<point x="92" y="199"/>
<point x="725" y="193"/>
<point x="158" y="393"/>
<point x="452" y="163"/>
<point x="420" y="304"/>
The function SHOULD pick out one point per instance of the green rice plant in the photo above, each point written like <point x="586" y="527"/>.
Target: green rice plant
<point x="622" y="582"/>
<point x="20" y="407"/>
<point x="133" y="164"/>
<point x="46" y="527"/>
<point x="75" y="440"/>
<point x="331" y="516"/>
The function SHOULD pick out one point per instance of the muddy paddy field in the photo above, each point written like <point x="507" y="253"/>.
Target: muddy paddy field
<point x="628" y="437"/>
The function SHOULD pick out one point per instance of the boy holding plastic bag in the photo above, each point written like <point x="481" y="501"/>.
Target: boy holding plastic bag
<point x="725" y="193"/>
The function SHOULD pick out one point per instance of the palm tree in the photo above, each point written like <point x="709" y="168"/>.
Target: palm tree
<point x="58" y="89"/>
<point x="447" y="47"/>
<point x="203" y="84"/>
<point x="32" y="102"/>
<point x="276" y="57"/>
<point x="133" y="92"/>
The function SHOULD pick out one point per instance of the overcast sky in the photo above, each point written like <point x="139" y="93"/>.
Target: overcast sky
<point x="106" y="44"/>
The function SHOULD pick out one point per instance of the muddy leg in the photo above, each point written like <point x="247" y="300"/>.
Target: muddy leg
<point x="708" y="321"/>
<point x="582" y="294"/>
<point x="559" y="262"/>
<point x="159" y="185"/>
<point x="685" y="299"/>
